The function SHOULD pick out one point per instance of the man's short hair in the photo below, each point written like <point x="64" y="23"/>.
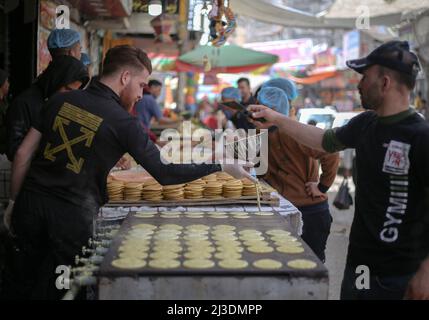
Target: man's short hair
<point x="401" y="78"/>
<point x="154" y="83"/>
<point x="125" y="56"/>
<point x="244" y="80"/>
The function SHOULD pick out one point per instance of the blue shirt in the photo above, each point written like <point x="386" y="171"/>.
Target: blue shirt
<point x="146" y="109"/>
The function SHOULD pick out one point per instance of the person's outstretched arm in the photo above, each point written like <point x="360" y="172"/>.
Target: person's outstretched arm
<point x="307" y="135"/>
<point x="331" y="140"/>
<point x="144" y="151"/>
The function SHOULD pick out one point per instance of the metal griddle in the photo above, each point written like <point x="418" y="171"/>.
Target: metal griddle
<point x="260" y="223"/>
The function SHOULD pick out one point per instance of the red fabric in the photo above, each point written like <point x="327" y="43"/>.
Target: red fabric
<point x="314" y="78"/>
<point x="152" y="136"/>
<point x="211" y="122"/>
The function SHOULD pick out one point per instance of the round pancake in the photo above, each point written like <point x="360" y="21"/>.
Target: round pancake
<point x="233" y="264"/>
<point x="194" y="216"/>
<point x="198" y="264"/>
<point x="135" y="255"/>
<point x="273" y="232"/>
<point x="128" y="263"/>
<point x="302" y="264"/>
<point x="191" y="255"/>
<point x="290" y="249"/>
<point x="146" y="216"/>
<point x="197" y="227"/>
<point x="164" y="264"/>
<point x="260" y="249"/>
<point x="228" y="255"/>
<point x="267" y="264"/>
<point x="164" y="255"/>
<point x="250" y="231"/>
<point x="241" y="216"/>
<point x="224" y="227"/>
<point x="171" y="226"/>
<point x="170" y="216"/>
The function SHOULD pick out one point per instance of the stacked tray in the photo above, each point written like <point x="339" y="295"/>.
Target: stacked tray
<point x="212" y="187"/>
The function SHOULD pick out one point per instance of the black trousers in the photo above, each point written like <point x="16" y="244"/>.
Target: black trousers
<point x="317" y="225"/>
<point x="50" y="232"/>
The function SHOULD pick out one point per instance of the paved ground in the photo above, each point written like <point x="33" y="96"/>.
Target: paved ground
<point x="338" y="241"/>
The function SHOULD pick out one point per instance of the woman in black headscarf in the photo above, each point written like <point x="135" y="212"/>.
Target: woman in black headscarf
<point x="64" y="73"/>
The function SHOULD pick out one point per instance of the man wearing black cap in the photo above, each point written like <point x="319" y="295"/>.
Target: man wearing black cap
<point x="388" y="256"/>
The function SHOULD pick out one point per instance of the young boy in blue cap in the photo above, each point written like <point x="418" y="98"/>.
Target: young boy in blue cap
<point x="293" y="169"/>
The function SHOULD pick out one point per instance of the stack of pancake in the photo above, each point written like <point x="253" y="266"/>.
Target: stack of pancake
<point x="173" y="192"/>
<point x="152" y="191"/>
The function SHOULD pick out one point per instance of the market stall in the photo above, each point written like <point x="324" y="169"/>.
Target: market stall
<point x="226" y="59"/>
<point x="210" y="255"/>
<point x="205" y="250"/>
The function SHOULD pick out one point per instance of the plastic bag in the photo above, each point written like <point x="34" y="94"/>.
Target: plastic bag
<point x="343" y="200"/>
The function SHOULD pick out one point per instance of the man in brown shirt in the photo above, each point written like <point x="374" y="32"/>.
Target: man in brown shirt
<point x="293" y="171"/>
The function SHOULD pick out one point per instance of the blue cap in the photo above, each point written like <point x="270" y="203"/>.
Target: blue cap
<point x="231" y="93"/>
<point x="274" y="98"/>
<point x="85" y="59"/>
<point x="286" y="85"/>
<point x="63" y="38"/>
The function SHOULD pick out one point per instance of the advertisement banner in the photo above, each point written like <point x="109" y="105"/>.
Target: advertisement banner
<point x="296" y="52"/>
<point x="351" y="45"/>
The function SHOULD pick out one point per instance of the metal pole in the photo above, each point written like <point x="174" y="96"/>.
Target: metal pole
<point x="183" y="37"/>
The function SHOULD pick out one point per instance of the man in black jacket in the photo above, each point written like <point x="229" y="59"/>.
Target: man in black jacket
<point x="80" y="138"/>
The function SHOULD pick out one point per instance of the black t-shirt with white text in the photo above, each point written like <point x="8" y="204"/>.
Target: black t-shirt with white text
<point x="390" y="230"/>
